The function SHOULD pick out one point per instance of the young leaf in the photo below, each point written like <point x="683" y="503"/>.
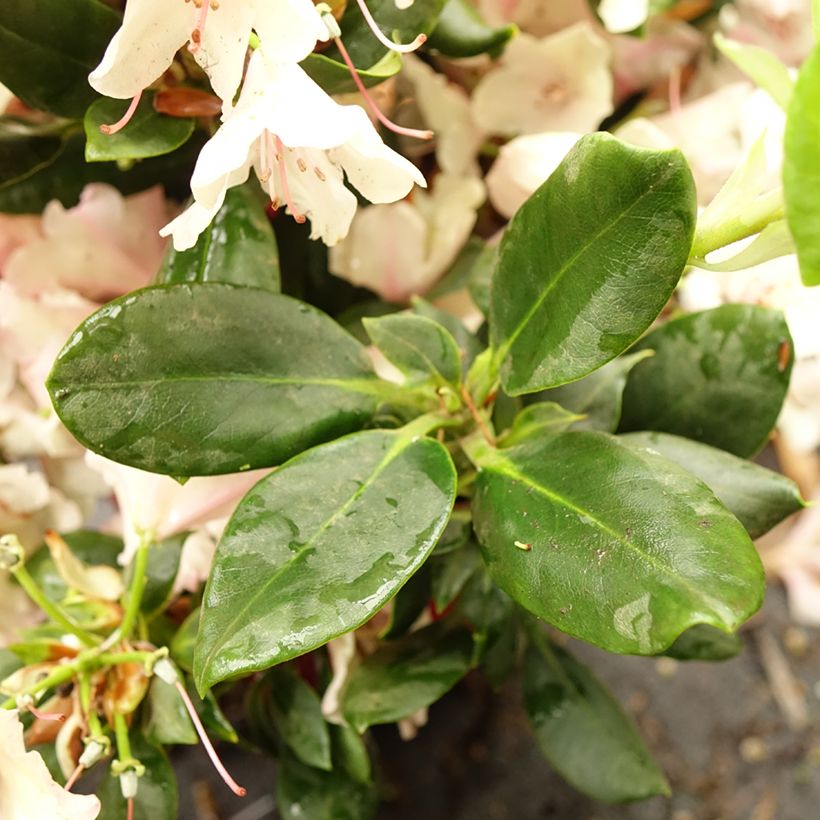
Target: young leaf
<point x="704" y="643"/>
<point x="537" y="421"/>
<point x="419" y="347"/>
<point x="198" y="379"/>
<point x="719" y="377"/>
<point x="163" y="565"/>
<point x="801" y="168"/>
<point x="182" y="645"/>
<point x="148" y="134"/>
<point x="589" y="261"/>
<point x="167" y="720"/>
<point x="406" y="675"/>
<point x="762" y="66"/>
<point x="158" y="797"/>
<point x="48" y="48"/>
<point x="616" y="546"/>
<point x="583" y="731"/>
<point x="238" y="247"/>
<point x="305" y="793"/>
<point x="757" y="497"/>
<point x="335" y="78"/>
<point x="462" y="32"/>
<point x="295" y="708"/>
<point x="598" y="397"/>
<point x="317" y="547"/>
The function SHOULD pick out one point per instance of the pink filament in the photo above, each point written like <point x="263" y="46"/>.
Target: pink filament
<point x="379" y="34"/>
<point x="200" y="730"/>
<point x="283" y="178"/>
<point x="196" y="36"/>
<point x="125" y="119"/>
<point x="674" y="90"/>
<point x="46" y="715"/>
<point x="130" y="808"/>
<point x="75" y="776"/>
<point x="389" y="124"/>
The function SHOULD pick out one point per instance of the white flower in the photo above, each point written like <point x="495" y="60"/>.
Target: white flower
<point x="27" y="790"/>
<point x="560" y="83"/>
<point x="623" y="15"/>
<point x="400" y="250"/>
<point x="523" y="164"/>
<point x="301" y="144"/>
<point x="154" y="30"/>
<point x="538" y="17"/>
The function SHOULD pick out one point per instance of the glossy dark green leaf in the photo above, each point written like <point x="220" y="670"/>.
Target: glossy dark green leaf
<point x="589" y="261"/>
<point x="406" y="675"/>
<point x="537" y="421"/>
<point x="616" y="546"/>
<point x="89" y="546"/>
<point x="582" y="730"/>
<point x="462" y="32"/>
<point x="23" y="153"/>
<point x="238" y="246"/>
<point x="166" y="719"/>
<point x="350" y="753"/>
<point x="148" y="133"/>
<point x="457" y="532"/>
<point x="801" y="168"/>
<point x="335" y="78"/>
<point x="182" y="646"/>
<point x="197" y="379"/>
<point x="598" y="396"/>
<point x="759" y="498"/>
<point x="295" y="708"/>
<point x="163" y="565"/>
<point x="305" y="793"/>
<point x="482" y="277"/>
<point x="157" y="798"/>
<point x="719" y="377"/>
<point x="318" y="547"/>
<point x="705" y="643"/>
<point x="65" y="175"/>
<point x="408" y="603"/>
<point x="419" y="347"/>
<point x="451" y="572"/>
<point x="48" y="48"/>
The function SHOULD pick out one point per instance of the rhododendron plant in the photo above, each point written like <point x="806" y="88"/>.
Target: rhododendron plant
<point x="351" y="350"/>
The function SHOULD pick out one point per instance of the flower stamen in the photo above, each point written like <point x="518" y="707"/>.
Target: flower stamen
<point x="53" y="716"/>
<point x="125" y="119"/>
<point x="283" y="178"/>
<point x="387" y="123"/>
<point x="196" y="34"/>
<point x="406" y="48"/>
<point x="75" y="776"/>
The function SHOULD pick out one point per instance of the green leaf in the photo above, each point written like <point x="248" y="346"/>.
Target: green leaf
<point x="616" y="546"/>
<point x="334" y="76"/>
<point x="774" y="241"/>
<point x="167" y="720"/>
<point x="212" y="717"/>
<point x="163" y="565"/>
<point x="9" y="662"/>
<point x="762" y="66"/>
<point x="66" y="173"/>
<point x="238" y="247"/>
<point x="209" y="378"/>
<point x="406" y="675"/>
<point x="589" y="261"/>
<point x="295" y="708"/>
<point x="182" y="646"/>
<point x="582" y="730"/>
<point x="48" y="48"/>
<point x="801" y="168"/>
<point x="537" y="421"/>
<point x="462" y="32"/>
<point x="757" y="497"/>
<point x="89" y="546"/>
<point x="704" y="643"/>
<point x="305" y="793"/>
<point x="318" y="547"/>
<point x="456" y="534"/>
<point x="408" y="603"/>
<point x="719" y="377"/>
<point x="23" y="152"/>
<point x="598" y="397"/>
<point x="148" y="133"/>
<point x="419" y="347"/>
<point x="350" y="753"/>
<point x="158" y="798"/>
<point x="482" y="277"/>
<point x="451" y="572"/>
<point x="467" y="342"/>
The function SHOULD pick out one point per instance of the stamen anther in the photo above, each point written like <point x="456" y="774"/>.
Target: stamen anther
<point x="387" y="123"/>
<point x="56" y="717"/>
<point x="283" y="178"/>
<point x="125" y="119"/>
<point x="196" y="34"/>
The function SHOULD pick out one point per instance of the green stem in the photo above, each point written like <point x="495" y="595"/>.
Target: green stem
<point x="49" y="607"/>
<point x="138" y="582"/>
<point x="60" y="675"/>
<point x="121" y="735"/>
